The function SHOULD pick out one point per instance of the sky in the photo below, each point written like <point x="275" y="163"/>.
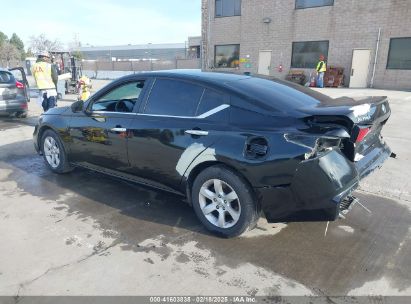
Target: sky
<point x="103" y="22"/>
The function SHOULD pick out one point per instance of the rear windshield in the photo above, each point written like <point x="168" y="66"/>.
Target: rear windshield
<point x="6" y="77"/>
<point x="278" y="94"/>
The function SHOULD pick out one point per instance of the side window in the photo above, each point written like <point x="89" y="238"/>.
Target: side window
<point x="120" y="99"/>
<point x="174" y="98"/>
<point x="210" y="100"/>
<point x="17" y="75"/>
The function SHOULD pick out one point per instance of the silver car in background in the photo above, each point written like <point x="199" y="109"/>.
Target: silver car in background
<point x="13" y="92"/>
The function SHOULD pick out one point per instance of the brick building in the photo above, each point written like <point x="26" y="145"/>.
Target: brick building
<point x="263" y="36"/>
<point x="194" y="47"/>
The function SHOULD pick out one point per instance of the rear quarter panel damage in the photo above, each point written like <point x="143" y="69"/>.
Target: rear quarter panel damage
<point x="283" y="181"/>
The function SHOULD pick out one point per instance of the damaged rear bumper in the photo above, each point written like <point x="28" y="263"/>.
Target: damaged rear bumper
<point x="319" y="187"/>
<point x="374" y="159"/>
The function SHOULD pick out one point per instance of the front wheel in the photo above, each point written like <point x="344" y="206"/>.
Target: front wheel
<point x="53" y="152"/>
<point x="224" y="202"/>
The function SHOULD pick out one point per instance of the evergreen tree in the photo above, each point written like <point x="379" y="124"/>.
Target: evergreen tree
<point x="3" y="38"/>
<point x="18" y="43"/>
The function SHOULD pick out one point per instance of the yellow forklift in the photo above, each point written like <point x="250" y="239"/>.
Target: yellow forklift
<point x="69" y="66"/>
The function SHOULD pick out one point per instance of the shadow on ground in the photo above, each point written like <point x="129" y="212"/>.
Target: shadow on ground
<point x="7" y="123"/>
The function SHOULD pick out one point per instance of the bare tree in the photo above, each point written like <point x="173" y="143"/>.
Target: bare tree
<point x="9" y="52"/>
<point x="75" y="45"/>
<point x="41" y="43"/>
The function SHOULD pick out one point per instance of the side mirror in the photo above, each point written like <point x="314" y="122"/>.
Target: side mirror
<point x="77" y="106"/>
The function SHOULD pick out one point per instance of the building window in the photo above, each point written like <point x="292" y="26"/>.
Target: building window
<point x="227" y="8"/>
<point x="312" y="3"/>
<point x="227" y="56"/>
<point x="399" y="55"/>
<point x="305" y="55"/>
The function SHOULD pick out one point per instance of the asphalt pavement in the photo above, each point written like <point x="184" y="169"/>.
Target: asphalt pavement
<point x="83" y="233"/>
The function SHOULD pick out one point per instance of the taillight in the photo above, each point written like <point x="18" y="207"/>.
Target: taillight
<point x="362" y="133"/>
<point x="19" y="85"/>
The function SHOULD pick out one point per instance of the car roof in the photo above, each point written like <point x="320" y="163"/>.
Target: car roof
<point x="198" y="75"/>
<point x="265" y="93"/>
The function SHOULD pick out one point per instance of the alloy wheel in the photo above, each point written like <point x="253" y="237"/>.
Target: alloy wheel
<point x="51" y="152"/>
<point x="219" y="203"/>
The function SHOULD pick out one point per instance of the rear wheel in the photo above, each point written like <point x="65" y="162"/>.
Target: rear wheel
<point x="224" y="202"/>
<point x="53" y="152"/>
<point x="21" y="114"/>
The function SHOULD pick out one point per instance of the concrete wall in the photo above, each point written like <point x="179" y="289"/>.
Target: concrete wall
<point x="348" y="25"/>
<point x="141" y="65"/>
<point x="188" y="63"/>
<point x="137" y="52"/>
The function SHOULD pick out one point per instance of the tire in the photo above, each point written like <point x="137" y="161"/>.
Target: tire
<point x="54" y="153"/>
<point x="226" y="215"/>
<point x="21" y="115"/>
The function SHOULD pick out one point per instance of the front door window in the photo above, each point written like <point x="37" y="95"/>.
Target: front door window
<point x="121" y="99"/>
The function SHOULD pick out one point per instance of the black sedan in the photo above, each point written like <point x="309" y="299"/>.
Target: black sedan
<point x="235" y="146"/>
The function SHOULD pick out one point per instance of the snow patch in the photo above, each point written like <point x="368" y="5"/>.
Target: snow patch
<point x="381" y="287"/>
<point x="348" y="229"/>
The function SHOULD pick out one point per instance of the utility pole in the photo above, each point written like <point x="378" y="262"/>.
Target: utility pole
<point x="149" y="54"/>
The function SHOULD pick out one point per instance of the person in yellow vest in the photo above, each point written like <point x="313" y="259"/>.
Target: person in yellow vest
<point x="46" y="76"/>
<point x="84" y="85"/>
<point x="321" y="68"/>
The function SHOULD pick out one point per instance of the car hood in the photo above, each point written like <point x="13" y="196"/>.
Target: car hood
<point x="56" y="111"/>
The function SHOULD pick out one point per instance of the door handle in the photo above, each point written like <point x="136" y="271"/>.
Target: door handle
<point x="352" y="72"/>
<point x="117" y="129"/>
<point x="196" y="132"/>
